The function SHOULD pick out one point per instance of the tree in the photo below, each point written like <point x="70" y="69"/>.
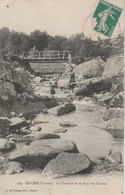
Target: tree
<point x="57" y="43"/>
<point x="38" y="39"/>
<point x="4" y="36"/>
<point x="17" y="43"/>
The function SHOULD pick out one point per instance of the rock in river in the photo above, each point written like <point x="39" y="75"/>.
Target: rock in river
<point x="32" y="137"/>
<point x="40" y="152"/>
<point x="67" y="124"/>
<point x="62" y="109"/>
<point x="60" y="130"/>
<point x="67" y="164"/>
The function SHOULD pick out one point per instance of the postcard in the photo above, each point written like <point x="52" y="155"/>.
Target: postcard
<point x="61" y="97"/>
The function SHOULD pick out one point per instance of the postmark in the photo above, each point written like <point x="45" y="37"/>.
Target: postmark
<point x="106" y="16"/>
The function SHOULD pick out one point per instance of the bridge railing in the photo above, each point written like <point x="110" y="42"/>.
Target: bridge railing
<point x="34" y="54"/>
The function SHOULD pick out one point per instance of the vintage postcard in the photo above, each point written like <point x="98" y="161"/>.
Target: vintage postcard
<point x="61" y="97"/>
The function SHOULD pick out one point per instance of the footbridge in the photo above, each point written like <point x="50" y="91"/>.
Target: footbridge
<point x="41" y="56"/>
<point x="47" y="62"/>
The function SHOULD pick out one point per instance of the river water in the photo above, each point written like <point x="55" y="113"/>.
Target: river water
<point x="90" y="139"/>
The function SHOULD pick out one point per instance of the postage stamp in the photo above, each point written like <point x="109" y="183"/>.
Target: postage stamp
<point x="106" y="15"/>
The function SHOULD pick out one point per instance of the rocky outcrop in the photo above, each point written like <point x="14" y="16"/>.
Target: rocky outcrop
<point x="21" y="81"/>
<point x="62" y="109"/>
<point x="67" y="164"/>
<point x="15" y="84"/>
<point x="110" y="81"/>
<point x="114" y="66"/>
<point x="40" y="152"/>
<point x="90" y="69"/>
<point x="16" y="90"/>
<point x="94" y="85"/>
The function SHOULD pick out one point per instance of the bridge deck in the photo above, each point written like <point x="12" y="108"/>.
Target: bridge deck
<point x="46" y="55"/>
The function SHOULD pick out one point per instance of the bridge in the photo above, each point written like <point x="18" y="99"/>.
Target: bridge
<point x="47" y="62"/>
<point x="44" y="56"/>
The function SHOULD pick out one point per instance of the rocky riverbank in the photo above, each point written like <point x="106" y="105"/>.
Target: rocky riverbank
<point x="63" y="126"/>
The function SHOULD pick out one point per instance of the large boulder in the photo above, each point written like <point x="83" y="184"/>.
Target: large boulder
<point x="49" y="100"/>
<point x="21" y="81"/>
<point x="12" y="168"/>
<point x="111" y="113"/>
<point x="114" y="66"/>
<point x="90" y="69"/>
<point x="14" y="82"/>
<point x="6" y="145"/>
<point x="59" y="144"/>
<point x="94" y="85"/>
<point x="62" y="109"/>
<point x="115" y="127"/>
<point x="67" y="164"/>
<point x="40" y="152"/>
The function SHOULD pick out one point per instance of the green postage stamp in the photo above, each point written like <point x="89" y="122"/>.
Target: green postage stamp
<point x="106" y="16"/>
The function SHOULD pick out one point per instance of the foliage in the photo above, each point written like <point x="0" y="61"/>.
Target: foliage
<point x="12" y="42"/>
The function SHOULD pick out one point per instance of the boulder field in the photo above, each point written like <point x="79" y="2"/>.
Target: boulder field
<point x="36" y="117"/>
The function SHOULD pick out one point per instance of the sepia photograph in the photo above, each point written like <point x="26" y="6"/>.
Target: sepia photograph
<point x="61" y="97"/>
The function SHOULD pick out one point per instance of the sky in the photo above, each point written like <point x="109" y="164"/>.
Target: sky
<point x="57" y="17"/>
